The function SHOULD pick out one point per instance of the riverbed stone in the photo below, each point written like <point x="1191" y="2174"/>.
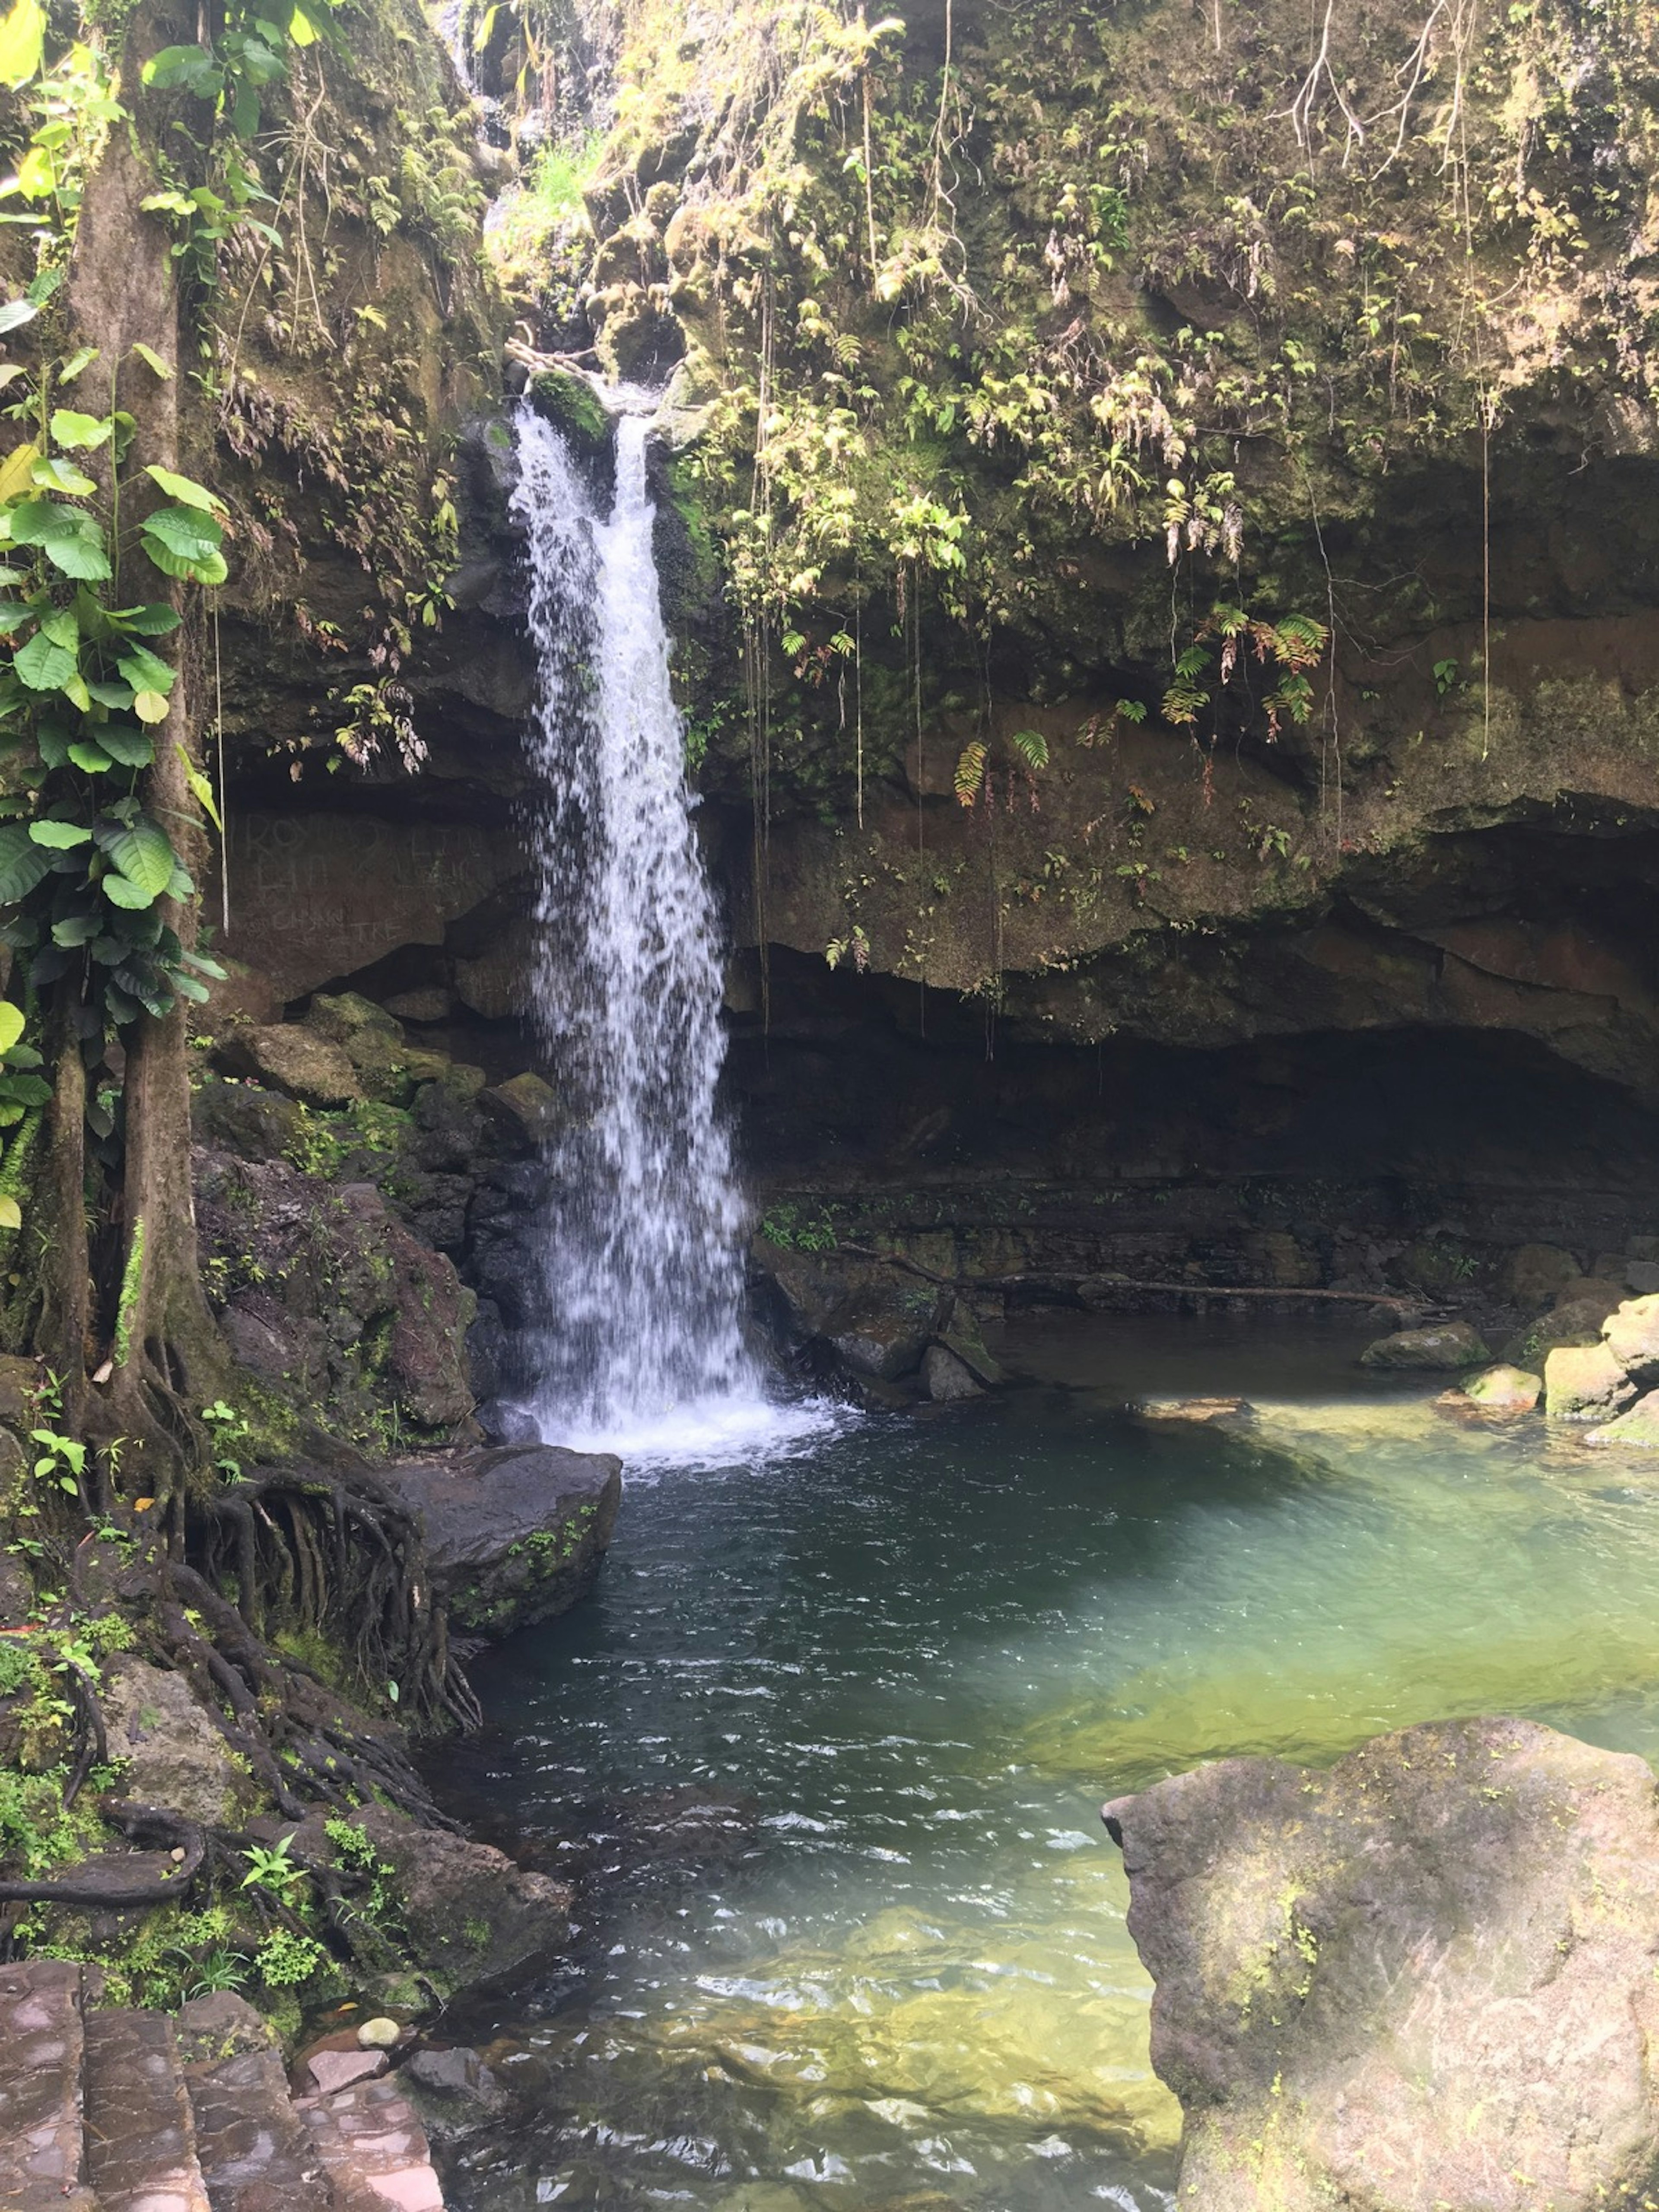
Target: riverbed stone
<point x="1442" y="1347"/>
<point x="1423" y="1977"/>
<point x="1584" y="1383"/>
<point x="515" y="1535"/>
<point x="1504" y="1389"/>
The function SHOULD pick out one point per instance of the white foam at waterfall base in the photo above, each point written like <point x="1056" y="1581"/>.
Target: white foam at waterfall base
<point x="643" y="1352"/>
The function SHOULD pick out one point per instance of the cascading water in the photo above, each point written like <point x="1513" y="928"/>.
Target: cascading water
<point x="643" y="1349"/>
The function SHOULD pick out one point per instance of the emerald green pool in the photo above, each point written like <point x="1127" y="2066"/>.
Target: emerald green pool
<point x="907" y="1662"/>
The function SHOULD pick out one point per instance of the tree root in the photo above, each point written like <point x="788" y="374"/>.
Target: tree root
<point x="99" y="1886"/>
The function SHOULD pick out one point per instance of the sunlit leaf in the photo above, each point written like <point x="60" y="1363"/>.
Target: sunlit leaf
<point x="22" y="41"/>
<point x="81" y="433"/>
<point x="55" y="474"/>
<point x="151" y="707"/>
<point x="82" y="358"/>
<point x="184" y="489"/>
<point x="201" y="790"/>
<point x="152" y="361"/>
<point x="11" y="1024"/>
<point x="120" y="891"/>
<point x="16" y="471"/>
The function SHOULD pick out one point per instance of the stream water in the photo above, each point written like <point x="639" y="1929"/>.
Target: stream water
<point x="827" y="1747"/>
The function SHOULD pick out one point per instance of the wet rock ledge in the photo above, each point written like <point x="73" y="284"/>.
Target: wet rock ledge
<point x="1424" y="1979"/>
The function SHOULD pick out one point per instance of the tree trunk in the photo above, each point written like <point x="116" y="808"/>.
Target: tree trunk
<point x="165" y="1350"/>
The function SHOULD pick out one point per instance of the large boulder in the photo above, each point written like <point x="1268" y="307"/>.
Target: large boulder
<point x="1533" y="1274"/>
<point x="1424" y="1979"/>
<point x="1444" y="1348"/>
<point x="515" y="1535"/>
<point x="1584" y="1383"/>
<point x="1632" y="1338"/>
<point x="287" y="1057"/>
<point x="174" y="1753"/>
<point x="472" y="1917"/>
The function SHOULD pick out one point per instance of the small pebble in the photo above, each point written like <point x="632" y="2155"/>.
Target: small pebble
<point x="177" y="1855"/>
<point x="379" y="2034"/>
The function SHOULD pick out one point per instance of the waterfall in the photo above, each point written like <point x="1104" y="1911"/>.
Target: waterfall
<point x="643" y="1347"/>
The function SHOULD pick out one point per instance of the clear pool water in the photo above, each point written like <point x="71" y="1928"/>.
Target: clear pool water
<point x="827" y="1749"/>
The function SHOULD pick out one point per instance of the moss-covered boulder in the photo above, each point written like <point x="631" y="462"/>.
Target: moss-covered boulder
<point x="1423" y="1977"/>
<point x="1446" y="1346"/>
<point x="1503" y="1390"/>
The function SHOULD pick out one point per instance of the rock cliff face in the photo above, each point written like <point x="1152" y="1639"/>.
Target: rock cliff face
<point x="1192" y="987"/>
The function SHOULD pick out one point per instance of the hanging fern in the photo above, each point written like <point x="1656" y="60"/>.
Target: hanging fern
<point x="1031" y="746"/>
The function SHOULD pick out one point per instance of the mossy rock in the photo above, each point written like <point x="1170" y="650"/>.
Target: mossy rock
<point x="570" y="401"/>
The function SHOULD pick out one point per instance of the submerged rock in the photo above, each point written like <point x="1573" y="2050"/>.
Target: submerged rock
<point x="1503" y="1390"/>
<point x="947" y="1376"/>
<point x="1637" y="1428"/>
<point x="1583" y="1381"/>
<point x="514" y="1535"/>
<point x="1447" y="1346"/>
<point x="1202" y="1413"/>
<point x="1425" y="1976"/>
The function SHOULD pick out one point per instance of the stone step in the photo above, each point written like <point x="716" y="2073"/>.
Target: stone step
<point x="140" y="2134"/>
<point x="255" y="2153"/>
<point x="374" y="2148"/>
<point x="41" y="2162"/>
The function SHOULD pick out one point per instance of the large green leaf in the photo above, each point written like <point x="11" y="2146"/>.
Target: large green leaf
<point x="146" y="671"/>
<point x="186" y="489"/>
<point x="69" y="539"/>
<point x="183" y="542"/>
<point x="60" y="836"/>
<point x="81" y="433"/>
<point x="22" y="863"/>
<point x="141" y="850"/>
<point x="122" y="742"/>
<point x="43" y="665"/>
<point x="11" y="1024"/>
<point x="121" y="891"/>
<point x="156" y="620"/>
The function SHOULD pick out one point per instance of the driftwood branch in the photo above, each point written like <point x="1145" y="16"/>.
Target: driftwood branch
<point x="1049" y="1279"/>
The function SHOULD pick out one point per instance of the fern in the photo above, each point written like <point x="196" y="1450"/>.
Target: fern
<point x="970" y="773"/>
<point x="1031" y="746"/>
